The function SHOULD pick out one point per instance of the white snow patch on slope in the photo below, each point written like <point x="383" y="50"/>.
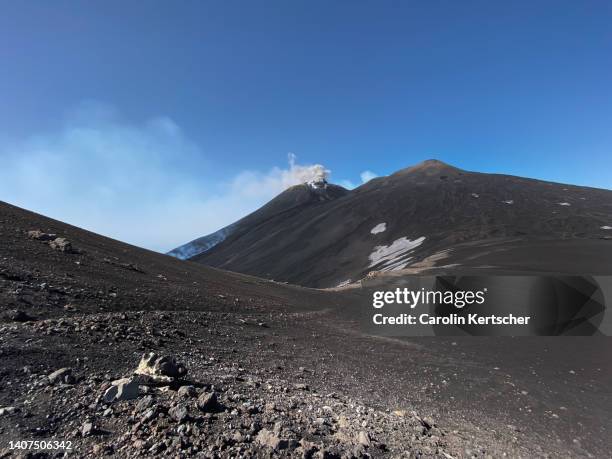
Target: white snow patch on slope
<point x="201" y="245"/>
<point x="380" y="228"/>
<point x="606" y="227"/>
<point x="394" y="256"/>
<point x="509" y="202"/>
<point x="564" y="204"/>
<point x="343" y="283"/>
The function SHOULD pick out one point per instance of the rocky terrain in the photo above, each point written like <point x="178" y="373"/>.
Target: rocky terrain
<point x="127" y="353"/>
<point x="226" y="405"/>
<point x="429" y="218"/>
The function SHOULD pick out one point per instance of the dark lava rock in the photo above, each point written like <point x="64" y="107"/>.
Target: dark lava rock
<point x="187" y="391"/>
<point x="179" y="413"/>
<point x="208" y="402"/>
<point x="20" y="316"/>
<point x="145" y="402"/>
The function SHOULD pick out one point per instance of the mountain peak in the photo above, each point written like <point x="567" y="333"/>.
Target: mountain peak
<point x="433" y="163"/>
<point x="429" y="166"/>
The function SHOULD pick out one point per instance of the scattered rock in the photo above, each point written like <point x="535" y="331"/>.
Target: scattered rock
<point x="363" y="439"/>
<point x="208" y="402"/>
<point x="145" y="402"/>
<point x="179" y="413"/>
<point x="63" y="375"/>
<point x="41" y="235"/>
<point x="8" y="410"/>
<point x="271" y="440"/>
<point x="163" y="369"/>
<point x="187" y="391"/>
<point x="122" y="389"/>
<point x="87" y="429"/>
<point x="20" y="316"/>
<point x="149" y="415"/>
<point x="62" y="244"/>
<point x="428" y="423"/>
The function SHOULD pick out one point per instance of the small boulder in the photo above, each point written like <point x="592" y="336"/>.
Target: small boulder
<point x="149" y="415"/>
<point x="179" y="413"/>
<point x="63" y="375"/>
<point x="20" y="316"/>
<point x="8" y="410"/>
<point x="363" y="439"/>
<point x="125" y="389"/>
<point x="187" y="391"/>
<point x="41" y="235"/>
<point x="87" y="429"/>
<point x="145" y="402"/>
<point x="271" y="440"/>
<point x="164" y="369"/>
<point x="208" y="402"/>
<point x="62" y="244"/>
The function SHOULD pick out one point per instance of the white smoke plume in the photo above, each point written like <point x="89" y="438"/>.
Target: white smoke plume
<point x="304" y="174"/>
<point x="144" y="183"/>
<point x="366" y="176"/>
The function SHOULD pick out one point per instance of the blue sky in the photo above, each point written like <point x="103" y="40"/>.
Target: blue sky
<point x="147" y="121"/>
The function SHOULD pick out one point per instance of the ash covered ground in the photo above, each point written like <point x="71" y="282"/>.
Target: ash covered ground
<point x="245" y="367"/>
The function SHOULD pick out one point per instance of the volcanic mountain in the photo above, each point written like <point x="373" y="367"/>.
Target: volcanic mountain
<point x="431" y="217"/>
<point x="289" y="203"/>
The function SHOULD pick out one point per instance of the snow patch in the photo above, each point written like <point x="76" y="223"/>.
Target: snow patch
<point x="606" y="227"/>
<point x="475" y="195"/>
<point x="564" y="204"/>
<point x="203" y="244"/>
<point x="509" y="202"/>
<point x="380" y="228"/>
<point x="394" y="256"/>
<point x="343" y="283"/>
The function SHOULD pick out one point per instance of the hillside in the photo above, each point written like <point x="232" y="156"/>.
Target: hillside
<point x="431" y="218"/>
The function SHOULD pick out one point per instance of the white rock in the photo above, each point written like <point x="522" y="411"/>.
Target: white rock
<point x="8" y="410"/>
<point x="380" y="228"/>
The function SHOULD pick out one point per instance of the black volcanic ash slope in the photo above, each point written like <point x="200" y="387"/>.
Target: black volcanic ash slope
<point x="428" y="217"/>
<point x="292" y="201"/>
<point x="100" y="274"/>
<point x="273" y="370"/>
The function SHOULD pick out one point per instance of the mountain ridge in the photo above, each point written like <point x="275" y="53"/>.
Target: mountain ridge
<point x="432" y="211"/>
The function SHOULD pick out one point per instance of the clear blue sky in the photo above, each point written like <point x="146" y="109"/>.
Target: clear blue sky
<point x="519" y="87"/>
